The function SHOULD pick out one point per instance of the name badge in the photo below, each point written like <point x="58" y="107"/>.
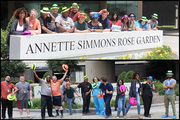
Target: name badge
<point x="25" y="91"/>
<point x="8" y="90"/>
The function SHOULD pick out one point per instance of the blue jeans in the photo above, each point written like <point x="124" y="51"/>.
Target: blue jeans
<point x="121" y="105"/>
<point x="70" y="100"/>
<point x="138" y="103"/>
<point x="107" y="99"/>
<point x="99" y="105"/>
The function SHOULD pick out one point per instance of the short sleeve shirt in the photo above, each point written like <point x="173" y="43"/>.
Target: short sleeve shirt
<point x="96" y="26"/>
<point x="24" y="91"/>
<point x="80" y="26"/>
<point x="33" y="25"/>
<point x="153" y="24"/>
<point x="55" y="87"/>
<point x="105" y="23"/>
<point x="85" y="87"/>
<point x="169" y="82"/>
<point x="44" y="23"/>
<point x="45" y="88"/>
<point x="108" y="87"/>
<point x="6" y="89"/>
<point x="138" y="24"/>
<point x="66" y="23"/>
<point x="70" y="92"/>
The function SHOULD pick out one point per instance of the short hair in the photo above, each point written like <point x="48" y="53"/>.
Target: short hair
<point x="141" y="21"/>
<point x="104" y="79"/>
<point x="131" y="14"/>
<point x="33" y="10"/>
<point x="134" y="75"/>
<point x="94" y="78"/>
<point x="118" y="82"/>
<point x="17" y="12"/>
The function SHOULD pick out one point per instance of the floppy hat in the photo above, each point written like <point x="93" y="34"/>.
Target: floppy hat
<point x="144" y="18"/>
<point x="11" y="97"/>
<point x="83" y="15"/>
<point x="155" y="15"/>
<point x="65" y="9"/>
<point x="85" y="77"/>
<point x="125" y="16"/>
<point x="104" y="11"/>
<point x="169" y="72"/>
<point x="150" y="77"/>
<point x="132" y="101"/>
<point x="33" y="66"/>
<point x="65" y="67"/>
<point x="95" y="15"/>
<point x="54" y="6"/>
<point x="27" y="33"/>
<point x="101" y="95"/>
<point x="122" y="87"/>
<point x="68" y="83"/>
<point x="45" y="10"/>
<point x="94" y="85"/>
<point x="75" y="5"/>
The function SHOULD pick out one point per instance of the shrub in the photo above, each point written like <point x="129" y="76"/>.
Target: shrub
<point x="36" y="103"/>
<point x="121" y="76"/>
<point x="74" y="106"/>
<point x="91" y="104"/>
<point x="14" y="82"/>
<point x="112" y="103"/>
<point x="14" y="103"/>
<point x="30" y="81"/>
<point x="128" y="75"/>
<point x="176" y="89"/>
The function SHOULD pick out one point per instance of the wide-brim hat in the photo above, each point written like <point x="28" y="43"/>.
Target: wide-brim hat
<point x="169" y="72"/>
<point x="83" y="15"/>
<point x="65" y="67"/>
<point x="75" y="5"/>
<point x="85" y="77"/>
<point x="11" y="97"/>
<point x="94" y="85"/>
<point x="155" y="15"/>
<point x="95" y="15"/>
<point x="125" y="16"/>
<point x="54" y="6"/>
<point x="144" y="18"/>
<point x="64" y="9"/>
<point x="68" y="83"/>
<point x="45" y="10"/>
<point x="150" y="77"/>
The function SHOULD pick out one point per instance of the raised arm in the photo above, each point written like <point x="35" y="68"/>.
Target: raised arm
<point x="64" y="76"/>
<point x="37" y="77"/>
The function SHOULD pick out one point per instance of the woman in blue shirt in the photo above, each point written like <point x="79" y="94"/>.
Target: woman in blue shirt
<point x="143" y="24"/>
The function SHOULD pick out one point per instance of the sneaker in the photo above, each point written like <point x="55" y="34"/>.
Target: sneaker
<point x="117" y="117"/>
<point x="51" y="116"/>
<point x="139" y="118"/>
<point x="107" y="116"/>
<point x="174" y="116"/>
<point x="61" y="116"/>
<point x="125" y="117"/>
<point x="164" y="116"/>
<point x="70" y="113"/>
<point x="56" y="115"/>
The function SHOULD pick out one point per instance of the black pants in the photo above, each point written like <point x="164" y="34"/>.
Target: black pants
<point x="147" y="100"/>
<point x="46" y="100"/>
<point x="6" y="103"/>
<point x="86" y="102"/>
<point x="116" y="102"/>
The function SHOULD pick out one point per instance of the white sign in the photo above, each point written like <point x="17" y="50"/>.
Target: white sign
<point x="37" y="92"/>
<point x="69" y="45"/>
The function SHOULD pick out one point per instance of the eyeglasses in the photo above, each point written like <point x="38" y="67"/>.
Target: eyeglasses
<point x="132" y="16"/>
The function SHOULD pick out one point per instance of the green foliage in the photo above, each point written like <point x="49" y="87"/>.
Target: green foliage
<point x="16" y="81"/>
<point x="36" y="103"/>
<point x="30" y="81"/>
<point x="112" y="103"/>
<point x="73" y="82"/>
<point x="128" y="75"/>
<point x="176" y="89"/>
<point x="12" y="68"/>
<point x="88" y="19"/>
<point x="91" y="104"/>
<point x="14" y="104"/>
<point x="46" y="74"/>
<point x="122" y="75"/>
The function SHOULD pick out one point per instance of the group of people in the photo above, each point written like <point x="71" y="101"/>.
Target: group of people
<point x="101" y="89"/>
<point x="71" y="20"/>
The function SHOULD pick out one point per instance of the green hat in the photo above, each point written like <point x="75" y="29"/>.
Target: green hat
<point x="33" y="66"/>
<point x="75" y="5"/>
<point x="85" y="77"/>
<point x="45" y="10"/>
<point x="65" y="9"/>
<point x="54" y="6"/>
<point x="155" y="15"/>
<point x="144" y="18"/>
<point x="169" y="72"/>
<point x="10" y="97"/>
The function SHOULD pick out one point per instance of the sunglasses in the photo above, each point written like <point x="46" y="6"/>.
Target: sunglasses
<point x="132" y="16"/>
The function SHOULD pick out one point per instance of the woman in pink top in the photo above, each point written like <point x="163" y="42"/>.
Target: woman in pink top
<point x="114" y="22"/>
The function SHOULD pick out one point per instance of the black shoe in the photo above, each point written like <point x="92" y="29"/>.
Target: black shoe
<point x="107" y="116"/>
<point x="57" y="115"/>
<point x="70" y="113"/>
<point x="61" y="116"/>
<point x="10" y="118"/>
<point x="51" y="116"/>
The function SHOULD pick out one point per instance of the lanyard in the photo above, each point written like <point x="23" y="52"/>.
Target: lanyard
<point x="7" y="85"/>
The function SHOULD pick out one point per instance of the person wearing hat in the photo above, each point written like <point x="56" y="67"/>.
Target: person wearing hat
<point x="64" y="24"/>
<point x="73" y="12"/>
<point x="153" y="22"/>
<point x="80" y="25"/>
<point x="169" y="96"/>
<point x="143" y="24"/>
<point x="98" y="102"/>
<point x="103" y="19"/>
<point x="147" y="95"/>
<point x="46" y="93"/>
<point x="24" y="94"/>
<point x="6" y="89"/>
<point x="107" y="90"/>
<point x="86" y="88"/>
<point x="45" y="21"/>
<point x="125" y="25"/>
<point x="69" y="91"/>
<point x="94" y="25"/>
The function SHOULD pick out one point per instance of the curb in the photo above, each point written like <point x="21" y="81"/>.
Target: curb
<point x="93" y="109"/>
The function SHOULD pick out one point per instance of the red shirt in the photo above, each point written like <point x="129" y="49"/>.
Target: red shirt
<point x="4" y="89"/>
<point x="118" y="23"/>
<point x="75" y="17"/>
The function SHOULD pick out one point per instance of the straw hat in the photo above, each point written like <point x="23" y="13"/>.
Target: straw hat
<point x="75" y="5"/>
<point x="155" y="15"/>
<point x="45" y="10"/>
<point x="54" y="6"/>
<point x="65" y="9"/>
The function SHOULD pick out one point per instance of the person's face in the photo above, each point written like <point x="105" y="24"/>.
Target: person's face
<point x="22" y="78"/>
<point x="120" y="82"/>
<point x="68" y="86"/>
<point x="65" y="14"/>
<point x="104" y="15"/>
<point x="95" y="19"/>
<point x="33" y="15"/>
<point x="169" y="76"/>
<point x="48" y="78"/>
<point x="7" y="79"/>
<point x="115" y="16"/>
<point x="81" y="19"/>
<point x="137" y="76"/>
<point x="95" y="80"/>
<point x="44" y="15"/>
<point x="149" y="80"/>
<point x="143" y="23"/>
<point x="54" y="78"/>
<point x="125" y="20"/>
<point x="74" y="9"/>
<point x="21" y="14"/>
<point x="153" y="19"/>
<point x="86" y="80"/>
<point x="131" y="17"/>
<point x="54" y="11"/>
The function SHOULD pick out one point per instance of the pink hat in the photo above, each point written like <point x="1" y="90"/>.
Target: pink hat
<point x="27" y="33"/>
<point x="132" y="101"/>
<point x="125" y="16"/>
<point x="68" y="83"/>
<point x="122" y="87"/>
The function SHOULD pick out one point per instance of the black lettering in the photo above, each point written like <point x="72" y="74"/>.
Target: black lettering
<point x="45" y="46"/>
<point x="29" y="49"/>
<point x="52" y="47"/>
<point x="36" y="46"/>
<point x="72" y="45"/>
<point x="80" y="44"/>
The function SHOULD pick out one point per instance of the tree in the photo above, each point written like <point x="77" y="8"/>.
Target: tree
<point x="128" y="75"/>
<point x="12" y="68"/>
<point x="56" y="65"/>
<point x="122" y="75"/>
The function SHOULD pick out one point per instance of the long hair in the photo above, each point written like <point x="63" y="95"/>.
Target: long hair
<point x="126" y="23"/>
<point x="131" y="14"/>
<point x="94" y="78"/>
<point x="17" y="12"/>
<point x="118" y="82"/>
<point x="134" y="75"/>
<point x="112" y="18"/>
